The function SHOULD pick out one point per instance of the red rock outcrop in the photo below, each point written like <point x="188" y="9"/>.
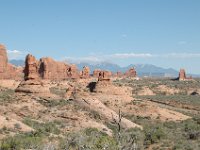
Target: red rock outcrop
<point x="49" y="69"/>
<point x="104" y="76"/>
<point x="85" y="73"/>
<point x="72" y="72"/>
<point x="3" y="59"/>
<point x="182" y="74"/>
<point x="96" y="73"/>
<point x="33" y="86"/>
<point x="118" y="74"/>
<point x="46" y="68"/>
<point x="131" y="73"/>
<point x="8" y="71"/>
<point x="31" y="68"/>
<point x="52" y="70"/>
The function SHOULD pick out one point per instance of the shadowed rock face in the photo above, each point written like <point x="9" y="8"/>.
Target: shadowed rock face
<point x="47" y="68"/>
<point x="72" y="72"/>
<point x="52" y="70"/>
<point x="131" y="73"/>
<point x="31" y="68"/>
<point x="8" y="71"/>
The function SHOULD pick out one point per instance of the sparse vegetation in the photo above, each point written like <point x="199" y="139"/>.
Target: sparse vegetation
<point x="156" y="134"/>
<point x="90" y="139"/>
<point x="58" y="91"/>
<point x="43" y="128"/>
<point x="6" y="96"/>
<point x="191" y="102"/>
<point x="54" y="103"/>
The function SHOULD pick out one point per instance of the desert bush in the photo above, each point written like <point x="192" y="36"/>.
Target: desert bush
<point x="17" y="126"/>
<point x="58" y="91"/>
<point x="132" y="139"/>
<point x="6" y="96"/>
<point x="153" y="135"/>
<point x="42" y="128"/>
<point x="192" y="129"/>
<point x="21" y="141"/>
<point x="55" y="103"/>
<point x="88" y="139"/>
<point x="31" y="140"/>
<point x="95" y="115"/>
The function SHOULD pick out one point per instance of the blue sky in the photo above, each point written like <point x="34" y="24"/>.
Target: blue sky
<point x="165" y="33"/>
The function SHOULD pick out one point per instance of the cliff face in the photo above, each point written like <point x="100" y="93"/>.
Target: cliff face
<point x="3" y="59"/>
<point x="8" y="71"/>
<point x="49" y="69"/>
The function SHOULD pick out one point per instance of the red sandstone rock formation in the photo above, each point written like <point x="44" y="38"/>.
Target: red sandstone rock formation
<point x="182" y="74"/>
<point x="3" y="59"/>
<point x="47" y="68"/>
<point x="85" y="73"/>
<point x="31" y="68"/>
<point x="96" y="73"/>
<point x="104" y="76"/>
<point x="33" y="86"/>
<point x="72" y="72"/>
<point x="119" y="74"/>
<point x="131" y="73"/>
<point x="8" y="71"/>
<point x="52" y="70"/>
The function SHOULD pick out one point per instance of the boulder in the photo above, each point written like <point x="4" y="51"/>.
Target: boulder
<point x="69" y="92"/>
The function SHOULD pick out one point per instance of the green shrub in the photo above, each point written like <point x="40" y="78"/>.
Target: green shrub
<point x="153" y="135"/>
<point x="6" y="96"/>
<point x="55" y="103"/>
<point x="90" y="139"/>
<point x="21" y="141"/>
<point x="42" y="128"/>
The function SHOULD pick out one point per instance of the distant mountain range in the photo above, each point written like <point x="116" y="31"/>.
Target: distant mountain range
<point x="142" y="69"/>
<point x="17" y="62"/>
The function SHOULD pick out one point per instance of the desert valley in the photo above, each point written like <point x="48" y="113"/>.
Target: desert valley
<point x="52" y="105"/>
